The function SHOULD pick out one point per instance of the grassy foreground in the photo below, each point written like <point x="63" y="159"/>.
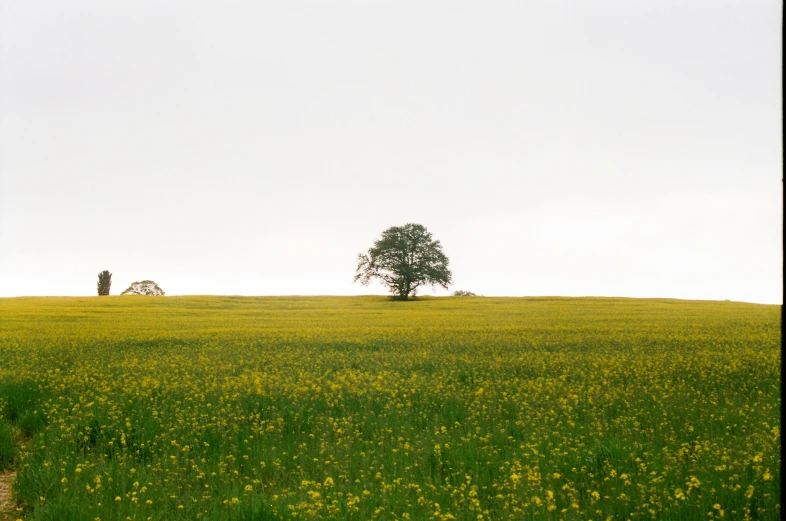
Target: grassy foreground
<point x="166" y="408"/>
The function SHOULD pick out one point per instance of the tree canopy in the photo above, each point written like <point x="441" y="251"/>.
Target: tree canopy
<point x="145" y="287"/>
<point x="404" y="259"/>
<point x="104" y="283"/>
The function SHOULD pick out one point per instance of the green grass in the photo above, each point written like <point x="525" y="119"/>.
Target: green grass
<point x="8" y="449"/>
<point x="365" y="408"/>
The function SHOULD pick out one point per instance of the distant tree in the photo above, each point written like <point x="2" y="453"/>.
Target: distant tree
<point x="462" y="293"/>
<point x="145" y="287"/>
<point x="104" y="283"/>
<point x="404" y="259"/>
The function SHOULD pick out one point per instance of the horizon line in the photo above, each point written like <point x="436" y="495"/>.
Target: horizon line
<point x="411" y="298"/>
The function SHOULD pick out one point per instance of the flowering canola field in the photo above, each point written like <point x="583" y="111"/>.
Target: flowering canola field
<point x="360" y="408"/>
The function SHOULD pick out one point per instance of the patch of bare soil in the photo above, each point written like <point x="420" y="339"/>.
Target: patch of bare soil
<point x="6" y="505"/>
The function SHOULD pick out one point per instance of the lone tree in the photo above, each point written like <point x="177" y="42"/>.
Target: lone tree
<point x="104" y="283"/>
<point x="145" y="287"/>
<point x="404" y="259"/>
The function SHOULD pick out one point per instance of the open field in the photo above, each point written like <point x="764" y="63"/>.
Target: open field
<point x="165" y="408"/>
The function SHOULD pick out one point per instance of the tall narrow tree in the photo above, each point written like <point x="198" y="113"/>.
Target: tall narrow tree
<point x="104" y="283"/>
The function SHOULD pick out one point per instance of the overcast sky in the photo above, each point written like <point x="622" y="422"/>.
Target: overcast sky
<point x="255" y="148"/>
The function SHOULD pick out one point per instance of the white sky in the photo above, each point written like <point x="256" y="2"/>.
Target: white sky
<point x="255" y="148"/>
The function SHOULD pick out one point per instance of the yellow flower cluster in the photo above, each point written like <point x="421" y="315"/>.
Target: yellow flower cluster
<point x="364" y="408"/>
